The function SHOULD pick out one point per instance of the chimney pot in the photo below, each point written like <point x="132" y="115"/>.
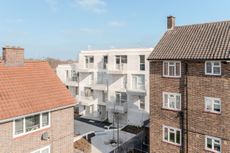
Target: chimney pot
<point x="171" y="21"/>
<point x="13" y="56"/>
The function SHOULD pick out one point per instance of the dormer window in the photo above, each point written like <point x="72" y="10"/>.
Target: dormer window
<point x="213" y="68"/>
<point x="171" y="68"/>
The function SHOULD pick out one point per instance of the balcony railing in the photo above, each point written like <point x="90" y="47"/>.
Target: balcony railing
<point x="117" y="107"/>
<point x="89" y="65"/>
<point x="119" y="69"/>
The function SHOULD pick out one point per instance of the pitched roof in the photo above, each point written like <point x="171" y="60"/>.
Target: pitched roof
<point x="30" y="88"/>
<point x="194" y="42"/>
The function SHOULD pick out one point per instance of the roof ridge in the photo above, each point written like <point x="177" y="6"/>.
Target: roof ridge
<point x="205" y="23"/>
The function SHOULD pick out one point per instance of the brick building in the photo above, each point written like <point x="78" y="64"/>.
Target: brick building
<point x="190" y="89"/>
<point x="36" y="110"/>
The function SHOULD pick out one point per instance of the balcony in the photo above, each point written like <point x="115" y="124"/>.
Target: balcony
<point x="137" y="91"/>
<point x="99" y="85"/>
<point x="102" y="87"/>
<point x="83" y="100"/>
<point x="119" y="69"/>
<point x="88" y="68"/>
<point x="117" y="107"/>
<point x="72" y="81"/>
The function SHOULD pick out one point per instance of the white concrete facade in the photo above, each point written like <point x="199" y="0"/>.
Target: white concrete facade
<point x="113" y="80"/>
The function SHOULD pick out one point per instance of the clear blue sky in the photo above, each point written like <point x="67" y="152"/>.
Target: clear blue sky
<point x="61" y="28"/>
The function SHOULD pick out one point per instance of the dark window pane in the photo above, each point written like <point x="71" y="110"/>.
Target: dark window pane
<point x="217" y="107"/>
<point x="165" y="68"/>
<point x="91" y="59"/>
<point x="209" y="67"/>
<point x="32" y="123"/>
<point x="123" y="59"/>
<point x="142" y="58"/>
<point x="18" y="126"/>
<point x="166" y="134"/>
<point x="216" y="70"/>
<point x="172" y="137"/>
<point x="45" y="119"/>
<point x="142" y="67"/>
<point x="171" y="70"/>
<point x="117" y="59"/>
<point x="209" y="143"/>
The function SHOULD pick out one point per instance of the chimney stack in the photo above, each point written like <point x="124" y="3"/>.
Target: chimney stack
<point x="13" y="56"/>
<point x="171" y="22"/>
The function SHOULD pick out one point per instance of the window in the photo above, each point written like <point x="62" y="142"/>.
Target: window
<point x="120" y="61"/>
<point x="213" y="144"/>
<point x="45" y="119"/>
<point x="121" y="97"/>
<point x="31" y="123"/>
<point x="105" y="62"/>
<point x="104" y="96"/>
<point x="142" y="102"/>
<point x="172" y="135"/>
<point x="171" y="69"/>
<point x="142" y="62"/>
<point x="42" y="150"/>
<point x="88" y="92"/>
<point x="138" y="82"/>
<point x="19" y="126"/>
<point x="213" y="68"/>
<point x="212" y="104"/>
<point x="89" y="60"/>
<point x="172" y="101"/>
<point x="74" y="76"/>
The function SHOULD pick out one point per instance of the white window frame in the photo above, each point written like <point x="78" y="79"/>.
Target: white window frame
<point x="121" y="64"/>
<point x="174" y="64"/>
<point x="89" y="64"/>
<point x="212" y="67"/>
<point x="213" y="142"/>
<point x="24" y="124"/>
<point x="212" y="99"/>
<point x="172" y="128"/>
<point x="42" y="149"/>
<point x="168" y="106"/>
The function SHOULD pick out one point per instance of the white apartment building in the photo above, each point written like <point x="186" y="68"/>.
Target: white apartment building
<point x="110" y="81"/>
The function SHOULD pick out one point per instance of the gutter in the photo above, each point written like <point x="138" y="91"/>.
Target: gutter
<point x="48" y="110"/>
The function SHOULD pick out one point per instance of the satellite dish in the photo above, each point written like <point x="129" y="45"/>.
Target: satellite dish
<point x="45" y="136"/>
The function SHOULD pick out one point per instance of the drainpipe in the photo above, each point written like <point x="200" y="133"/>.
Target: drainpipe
<point x="184" y="112"/>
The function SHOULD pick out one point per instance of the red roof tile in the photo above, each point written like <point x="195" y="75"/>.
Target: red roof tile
<point x="30" y="88"/>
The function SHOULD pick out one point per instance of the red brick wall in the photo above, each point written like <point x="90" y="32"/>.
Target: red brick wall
<point x="13" y="56"/>
<point x="200" y="123"/>
<point x="61" y="133"/>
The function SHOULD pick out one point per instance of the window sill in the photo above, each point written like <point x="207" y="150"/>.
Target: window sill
<point x="30" y="133"/>
<point x="212" y="151"/>
<point x="216" y="75"/>
<point x="172" y="77"/>
<point x="168" y="109"/>
<point x="214" y="113"/>
<point x="174" y="144"/>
